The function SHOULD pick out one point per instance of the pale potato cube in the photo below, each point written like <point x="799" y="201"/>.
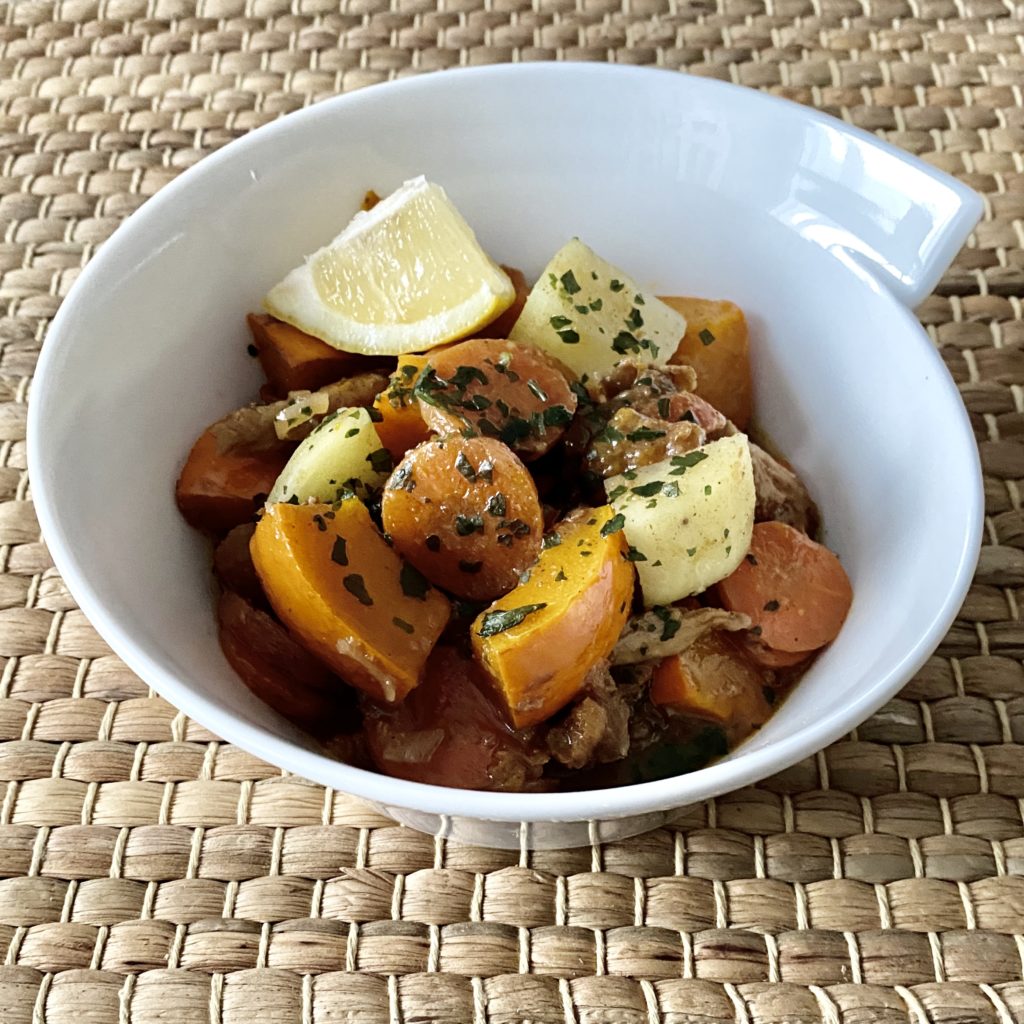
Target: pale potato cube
<point x="343" y="453"/>
<point x="688" y="520"/>
<point x="590" y="315"/>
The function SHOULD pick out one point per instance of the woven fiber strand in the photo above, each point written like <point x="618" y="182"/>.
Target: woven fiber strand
<point x="149" y="873"/>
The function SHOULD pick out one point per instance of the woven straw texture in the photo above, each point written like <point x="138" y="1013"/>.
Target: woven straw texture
<point x="150" y="873"/>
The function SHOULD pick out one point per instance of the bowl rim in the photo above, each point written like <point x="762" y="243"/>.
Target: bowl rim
<point x="639" y="798"/>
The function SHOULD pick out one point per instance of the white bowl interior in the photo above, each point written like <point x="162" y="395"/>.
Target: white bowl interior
<point x="152" y="348"/>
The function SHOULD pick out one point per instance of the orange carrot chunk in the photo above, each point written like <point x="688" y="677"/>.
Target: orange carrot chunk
<point x="717" y="346"/>
<point x="398" y="421"/>
<point x="713" y="679"/>
<point x="498" y="389"/>
<point x="296" y="361"/>
<point x="465" y="512"/>
<point x="795" y="590"/>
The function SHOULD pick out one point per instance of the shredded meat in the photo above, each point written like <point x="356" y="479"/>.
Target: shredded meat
<point x="596" y="728"/>
<point x="780" y="494"/>
<point x="252" y="426"/>
<point x="665" y="631"/>
<point x="634" y="383"/>
<point x="635" y="440"/>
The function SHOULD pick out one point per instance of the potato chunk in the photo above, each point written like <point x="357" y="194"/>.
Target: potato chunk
<point x="688" y="520"/>
<point x="343" y="453"/>
<point x="538" y="643"/>
<point x="334" y="581"/>
<point x="589" y="315"/>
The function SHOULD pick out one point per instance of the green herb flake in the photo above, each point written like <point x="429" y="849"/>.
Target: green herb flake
<point x="558" y="322"/>
<point x="470" y="568"/>
<point x="552" y="540"/>
<point x="569" y="283"/>
<point x="560" y="576"/>
<point x="617" y="492"/>
<point x="380" y="460"/>
<point x="557" y="416"/>
<point x="616" y="285"/>
<point x="648" y="490"/>
<point x="616" y="523"/>
<point x="402" y="479"/>
<point x="684" y="462"/>
<point x="465" y="467"/>
<point x="498" y="621"/>
<point x="339" y="553"/>
<point x="769" y="695"/>
<point x="413" y="582"/>
<point x="635" y="320"/>
<point x="582" y="310"/>
<point x="466" y="525"/>
<point x="663" y="408"/>
<point x="633" y="555"/>
<point x="569" y="337"/>
<point x="406" y="627"/>
<point x="751" y="559"/>
<point x="638" y="299"/>
<point x="644" y="434"/>
<point x="669" y="623"/>
<point x="355" y="585"/>
<point x="596" y="305"/>
<point x="772" y="606"/>
<point x="691" y="552"/>
<point x="352" y="432"/>
<point x="320" y="524"/>
<point x="707" y="488"/>
<point x="293" y="500"/>
<point x="252" y="350"/>
<point x="433" y="543"/>
<point x="486" y="471"/>
<point x="706" y="337"/>
<point x="496" y="505"/>
<point x="536" y="390"/>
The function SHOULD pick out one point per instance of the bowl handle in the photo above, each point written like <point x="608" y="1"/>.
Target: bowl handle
<point x="893" y="215"/>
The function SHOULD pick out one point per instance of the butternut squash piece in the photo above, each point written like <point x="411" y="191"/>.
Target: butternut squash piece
<point x="714" y="679"/>
<point x="396" y="413"/>
<point x="334" y="581"/>
<point x="295" y="361"/>
<point x="465" y="512"/>
<point x="717" y="346"/>
<point x="538" y="643"/>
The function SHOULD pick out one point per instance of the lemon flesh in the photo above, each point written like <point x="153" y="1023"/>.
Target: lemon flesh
<point x="403" y="277"/>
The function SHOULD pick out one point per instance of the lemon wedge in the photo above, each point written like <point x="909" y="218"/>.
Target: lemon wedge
<point x="404" y="276"/>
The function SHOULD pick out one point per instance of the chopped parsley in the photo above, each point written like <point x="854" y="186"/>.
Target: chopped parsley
<point x="352" y="432"/>
<point x="648" y="490"/>
<point x="402" y="478"/>
<point x="569" y="336"/>
<point x="465" y="525"/>
<point x="558" y="322"/>
<point x="616" y="285"/>
<point x="470" y="568"/>
<point x="406" y="627"/>
<point x="772" y="606"/>
<point x="634" y="555"/>
<point x="669" y="623"/>
<point x="433" y="542"/>
<point x="495" y="505"/>
<point x="569" y="283"/>
<point x="706" y="337"/>
<point x="498" y="621"/>
<point x="557" y="416"/>
<point x="552" y="540"/>
<point x="560" y="576"/>
<point x="465" y="467"/>
<point x="380" y="460"/>
<point x="355" y="585"/>
<point x="537" y="390"/>
<point x="644" y="434"/>
<point x="616" y="523"/>
<point x="684" y="462"/>
<point x="339" y="553"/>
<point x="413" y="582"/>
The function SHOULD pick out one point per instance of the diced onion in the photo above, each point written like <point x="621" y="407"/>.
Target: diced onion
<point x="303" y="407"/>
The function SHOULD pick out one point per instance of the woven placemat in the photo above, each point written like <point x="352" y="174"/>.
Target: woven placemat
<point x="150" y="873"/>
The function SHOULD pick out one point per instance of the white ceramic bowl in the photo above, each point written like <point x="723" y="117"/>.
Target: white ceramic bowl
<point x="824" y="235"/>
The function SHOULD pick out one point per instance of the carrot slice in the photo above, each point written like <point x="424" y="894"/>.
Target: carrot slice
<point x="794" y="590"/>
<point x="497" y="389"/>
<point x="465" y="512"/>
<point x="296" y="361"/>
